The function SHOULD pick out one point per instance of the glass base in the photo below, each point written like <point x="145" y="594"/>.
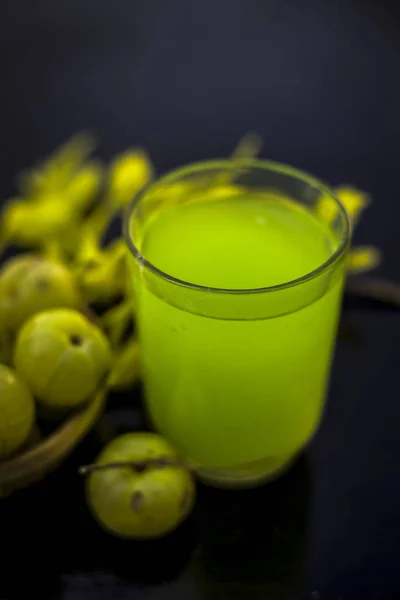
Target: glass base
<point x="246" y="476"/>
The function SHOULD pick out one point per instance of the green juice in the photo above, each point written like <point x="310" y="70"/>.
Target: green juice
<point x="239" y="395"/>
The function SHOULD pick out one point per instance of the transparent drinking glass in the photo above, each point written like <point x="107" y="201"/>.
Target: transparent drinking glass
<point x="235" y="377"/>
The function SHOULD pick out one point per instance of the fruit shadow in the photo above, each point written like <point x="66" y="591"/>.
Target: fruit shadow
<point x="252" y="543"/>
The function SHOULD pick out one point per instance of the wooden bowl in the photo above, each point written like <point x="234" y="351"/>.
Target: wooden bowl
<point x="39" y="460"/>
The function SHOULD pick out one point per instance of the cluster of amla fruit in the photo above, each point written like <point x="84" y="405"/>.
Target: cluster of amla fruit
<point x="55" y="350"/>
<point x="62" y="216"/>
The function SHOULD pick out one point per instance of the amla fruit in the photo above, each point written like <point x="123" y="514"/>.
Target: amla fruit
<point x="17" y="412"/>
<point x="63" y="357"/>
<point x="30" y="284"/>
<point x="143" y="502"/>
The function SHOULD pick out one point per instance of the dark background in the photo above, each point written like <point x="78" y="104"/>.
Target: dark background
<point x="319" y="80"/>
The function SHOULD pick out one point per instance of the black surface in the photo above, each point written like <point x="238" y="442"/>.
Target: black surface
<point x="320" y="82"/>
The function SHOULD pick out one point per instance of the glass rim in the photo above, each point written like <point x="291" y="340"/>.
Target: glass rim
<point x="176" y="174"/>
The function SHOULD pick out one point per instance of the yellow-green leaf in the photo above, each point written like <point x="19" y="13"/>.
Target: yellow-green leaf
<point x="125" y="370"/>
<point x="353" y="200"/>
<point x="362" y="259"/>
<point x="83" y="188"/>
<point x="129" y="173"/>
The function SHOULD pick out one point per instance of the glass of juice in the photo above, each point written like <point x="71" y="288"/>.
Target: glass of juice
<point x="238" y="272"/>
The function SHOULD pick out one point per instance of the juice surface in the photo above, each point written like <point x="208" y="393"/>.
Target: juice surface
<point x="237" y="243"/>
<point x="229" y="393"/>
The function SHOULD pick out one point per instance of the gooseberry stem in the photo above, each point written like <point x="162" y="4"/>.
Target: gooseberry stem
<point x="139" y="466"/>
<point x="374" y="289"/>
